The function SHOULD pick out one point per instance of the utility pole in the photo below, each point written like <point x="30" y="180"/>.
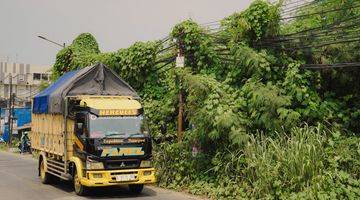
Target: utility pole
<point x="180" y="60"/>
<point x="30" y="94"/>
<point x="11" y="116"/>
<point x="9" y="108"/>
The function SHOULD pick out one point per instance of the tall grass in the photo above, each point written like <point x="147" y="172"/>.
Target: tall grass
<point x="304" y="163"/>
<point x="290" y="161"/>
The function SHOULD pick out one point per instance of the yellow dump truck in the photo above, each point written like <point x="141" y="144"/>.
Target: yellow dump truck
<point x="89" y="127"/>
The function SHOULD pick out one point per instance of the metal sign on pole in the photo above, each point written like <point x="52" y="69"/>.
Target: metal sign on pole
<point x="180" y="61"/>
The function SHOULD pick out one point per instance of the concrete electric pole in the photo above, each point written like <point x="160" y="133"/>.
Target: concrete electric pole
<point x="180" y="62"/>
<point x="10" y="106"/>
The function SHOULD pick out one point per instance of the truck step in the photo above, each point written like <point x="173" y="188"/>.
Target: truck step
<point x="55" y="162"/>
<point x="57" y="168"/>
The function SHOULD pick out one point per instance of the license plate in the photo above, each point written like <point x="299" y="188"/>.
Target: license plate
<point x="125" y="177"/>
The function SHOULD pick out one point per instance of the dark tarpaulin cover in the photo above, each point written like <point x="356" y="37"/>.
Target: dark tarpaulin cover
<point x="93" y="80"/>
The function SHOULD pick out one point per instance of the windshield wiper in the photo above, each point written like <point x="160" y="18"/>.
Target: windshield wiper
<point x="131" y="135"/>
<point x="111" y="134"/>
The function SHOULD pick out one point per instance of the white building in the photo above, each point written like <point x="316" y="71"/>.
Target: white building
<point x="26" y="79"/>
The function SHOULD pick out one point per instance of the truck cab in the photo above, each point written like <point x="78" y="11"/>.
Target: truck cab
<point x="113" y="141"/>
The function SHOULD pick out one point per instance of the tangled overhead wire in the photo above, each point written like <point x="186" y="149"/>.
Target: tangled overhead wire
<point x="338" y="31"/>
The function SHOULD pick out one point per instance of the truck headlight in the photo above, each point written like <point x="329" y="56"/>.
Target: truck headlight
<point x="91" y="164"/>
<point x="145" y="163"/>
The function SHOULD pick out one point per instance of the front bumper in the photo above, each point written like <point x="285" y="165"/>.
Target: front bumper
<point x="108" y="177"/>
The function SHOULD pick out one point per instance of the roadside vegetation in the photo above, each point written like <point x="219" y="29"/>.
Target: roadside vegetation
<point x="14" y="144"/>
<point x="3" y="146"/>
<point x="272" y="106"/>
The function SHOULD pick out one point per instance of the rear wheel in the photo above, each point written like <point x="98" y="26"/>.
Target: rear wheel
<point x="136" y="188"/>
<point x="78" y="187"/>
<point x="44" y="176"/>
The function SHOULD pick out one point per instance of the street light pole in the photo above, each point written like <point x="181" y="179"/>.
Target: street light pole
<point x="58" y="44"/>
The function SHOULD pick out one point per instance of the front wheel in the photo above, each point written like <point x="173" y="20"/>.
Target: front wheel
<point x="136" y="188"/>
<point x="78" y="187"/>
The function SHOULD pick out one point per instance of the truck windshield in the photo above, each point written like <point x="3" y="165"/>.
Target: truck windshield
<point x="122" y="127"/>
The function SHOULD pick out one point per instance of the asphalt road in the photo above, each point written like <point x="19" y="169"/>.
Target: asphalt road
<point x="19" y="181"/>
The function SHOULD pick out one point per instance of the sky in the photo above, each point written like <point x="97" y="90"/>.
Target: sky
<point x="114" y="23"/>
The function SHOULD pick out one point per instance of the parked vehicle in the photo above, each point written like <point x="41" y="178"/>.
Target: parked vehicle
<point x="89" y="127"/>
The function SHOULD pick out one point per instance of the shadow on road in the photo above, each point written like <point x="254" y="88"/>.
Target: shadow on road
<point x="117" y="192"/>
<point x="105" y="192"/>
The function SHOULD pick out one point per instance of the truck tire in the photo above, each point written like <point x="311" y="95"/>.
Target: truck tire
<point x="78" y="188"/>
<point x="44" y="176"/>
<point x="136" y="188"/>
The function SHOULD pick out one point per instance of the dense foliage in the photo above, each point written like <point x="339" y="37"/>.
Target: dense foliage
<point x="133" y="64"/>
<point x="257" y="125"/>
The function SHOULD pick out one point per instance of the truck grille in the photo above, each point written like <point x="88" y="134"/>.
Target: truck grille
<point x="122" y="164"/>
<point x="121" y="173"/>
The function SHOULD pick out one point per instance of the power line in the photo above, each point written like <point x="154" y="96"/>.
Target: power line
<point x="296" y="8"/>
<point x="331" y="31"/>
<point x="294" y="2"/>
<point x="166" y="48"/>
<point x="325" y="32"/>
<point x="322" y="27"/>
<point x="165" y="59"/>
<point x="167" y="63"/>
<point x="322" y="12"/>
<point x="164" y="40"/>
<point x="314" y="39"/>
<point x="347" y="40"/>
<point x="321" y="35"/>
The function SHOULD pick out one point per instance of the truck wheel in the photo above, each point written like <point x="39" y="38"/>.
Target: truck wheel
<point x="136" y="188"/>
<point x="44" y="176"/>
<point x="79" y="189"/>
